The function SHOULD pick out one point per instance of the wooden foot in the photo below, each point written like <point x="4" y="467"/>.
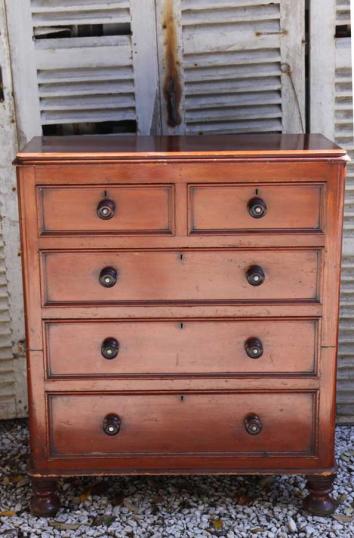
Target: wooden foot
<point x="45" y="501"/>
<point x="319" y="502"/>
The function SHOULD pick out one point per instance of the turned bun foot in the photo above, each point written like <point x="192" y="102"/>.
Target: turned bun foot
<point x="319" y="501"/>
<point x="45" y="501"/>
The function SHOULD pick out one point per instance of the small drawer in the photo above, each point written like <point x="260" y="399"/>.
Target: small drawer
<point x="159" y="277"/>
<point x="126" y="209"/>
<point x="148" y="348"/>
<point x="231" y="208"/>
<point x="121" y="424"/>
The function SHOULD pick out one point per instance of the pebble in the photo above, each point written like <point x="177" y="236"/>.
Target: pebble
<point x="172" y="507"/>
<point x="292" y="525"/>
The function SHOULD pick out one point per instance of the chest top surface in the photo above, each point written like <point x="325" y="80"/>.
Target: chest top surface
<point x="240" y="146"/>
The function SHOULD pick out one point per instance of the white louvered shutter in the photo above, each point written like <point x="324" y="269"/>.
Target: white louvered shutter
<point x="12" y="360"/>
<point x="236" y="66"/>
<point x="84" y="66"/>
<point x="332" y="114"/>
<point x="344" y="137"/>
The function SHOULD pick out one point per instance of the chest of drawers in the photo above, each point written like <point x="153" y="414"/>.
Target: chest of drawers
<point x="181" y="306"/>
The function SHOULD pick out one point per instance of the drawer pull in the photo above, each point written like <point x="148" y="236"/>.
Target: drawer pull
<point x="108" y="277"/>
<point x="255" y="275"/>
<point x="254" y="348"/>
<point x="111" y="424"/>
<point x="110" y="348"/>
<point x="106" y="209"/>
<point x="257" y="207"/>
<point x="253" y="424"/>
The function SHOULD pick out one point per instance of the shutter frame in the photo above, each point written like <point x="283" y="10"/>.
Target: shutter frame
<point x="24" y="75"/>
<point x="146" y="69"/>
<point x="292" y="47"/>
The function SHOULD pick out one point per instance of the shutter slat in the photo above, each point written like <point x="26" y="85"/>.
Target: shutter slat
<point x="227" y="101"/>
<point x="95" y="116"/>
<point x="85" y="75"/>
<point x="233" y="72"/>
<point x="82" y="43"/>
<point x="74" y="18"/>
<point x="78" y="12"/>
<point x="75" y="4"/>
<point x="244" y="57"/>
<point x="230" y="114"/>
<point x="236" y="127"/>
<point x="87" y="103"/>
<point x="86" y="88"/>
<point x="224" y="4"/>
<point x="215" y="15"/>
<point x="230" y="87"/>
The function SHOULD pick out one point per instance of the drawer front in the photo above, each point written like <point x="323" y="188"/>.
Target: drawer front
<point x="231" y="208"/>
<point x="131" y="209"/>
<point x="89" y="349"/>
<point x="170" y="276"/>
<point x="181" y="423"/>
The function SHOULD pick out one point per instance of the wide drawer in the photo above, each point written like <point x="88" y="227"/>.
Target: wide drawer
<point x="116" y="348"/>
<point x="181" y="423"/>
<point x="230" y="208"/>
<point x="171" y="276"/>
<point x="132" y="209"/>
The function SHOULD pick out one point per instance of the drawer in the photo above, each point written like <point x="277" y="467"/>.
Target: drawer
<point x="231" y="208"/>
<point x="131" y="209"/>
<point x="181" y="423"/>
<point x="116" y="348"/>
<point x="171" y="276"/>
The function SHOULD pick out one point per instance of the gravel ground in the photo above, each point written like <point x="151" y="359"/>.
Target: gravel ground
<point x="171" y="507"/>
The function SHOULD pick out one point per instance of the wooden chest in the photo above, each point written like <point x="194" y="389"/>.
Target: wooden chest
<point x="182" y="305"/>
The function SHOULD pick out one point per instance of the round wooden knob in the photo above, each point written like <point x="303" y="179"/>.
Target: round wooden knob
<point x="111" y="424"/>
<point x="110" y="348"/>
<point x="254" y="348"/>
<point x="257" y="207"/>
<point x="255" y="275"/>
<point x="253" y="424"/>
<point x="108" y="277"/>
<point x="106" y="209"/>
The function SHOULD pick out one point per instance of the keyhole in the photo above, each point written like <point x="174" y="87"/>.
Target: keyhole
<point x="181" y="325"/>
<point x="181" y="398"/>
<point x="257" y="191"/>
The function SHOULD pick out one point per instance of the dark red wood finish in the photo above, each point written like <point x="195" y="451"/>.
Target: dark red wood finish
<point x="183" y="256"/>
